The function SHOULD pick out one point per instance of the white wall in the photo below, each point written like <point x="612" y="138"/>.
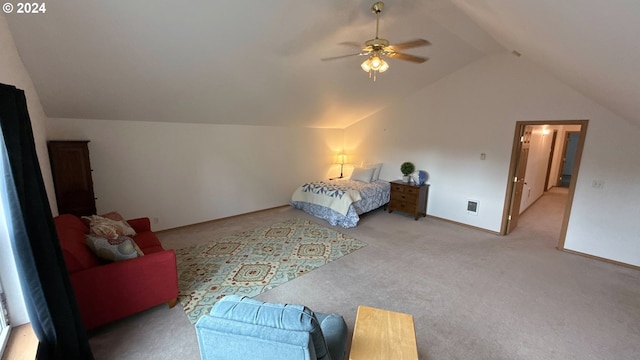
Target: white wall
<point x="189" y="173"/>
<point x="540" y="147"/>
<point x="604" y="222"/>
<point x="446" y="126"/>
<point x="13" y="72"/>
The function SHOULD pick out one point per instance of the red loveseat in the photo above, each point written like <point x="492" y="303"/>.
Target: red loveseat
<point x="109" y="291"/>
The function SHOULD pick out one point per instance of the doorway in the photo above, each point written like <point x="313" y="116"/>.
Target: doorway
<point x="522" y="149"/>
<point x="568" y="159"/>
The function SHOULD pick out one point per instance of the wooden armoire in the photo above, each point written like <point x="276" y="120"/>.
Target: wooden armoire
<point x="71" y="170"/>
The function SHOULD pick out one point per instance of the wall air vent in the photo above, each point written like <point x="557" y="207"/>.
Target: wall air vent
<point x="472" y="207"/>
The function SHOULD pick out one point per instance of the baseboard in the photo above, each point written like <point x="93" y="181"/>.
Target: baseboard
<point x="465" y="225"/>
<point x="282" y="206"/>
<point x="601" y="259"/>
<point x="220" y="219"/>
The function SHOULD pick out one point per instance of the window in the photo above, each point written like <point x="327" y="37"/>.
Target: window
<point x="10" y="289"/>
<point x="4" y="321"/>
<point x="6" y="250"/>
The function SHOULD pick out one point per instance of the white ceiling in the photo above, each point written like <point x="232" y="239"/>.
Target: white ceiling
<point x="258" y="63"/>
<point x="592" y="45"/>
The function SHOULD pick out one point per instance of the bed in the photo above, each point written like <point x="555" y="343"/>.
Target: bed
<point x="340" y="202"/>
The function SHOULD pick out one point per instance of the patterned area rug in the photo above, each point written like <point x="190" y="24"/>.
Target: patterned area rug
<point x="255" y="261"/>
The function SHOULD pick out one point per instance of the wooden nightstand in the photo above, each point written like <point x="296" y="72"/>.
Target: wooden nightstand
<point x="409" y="198"/>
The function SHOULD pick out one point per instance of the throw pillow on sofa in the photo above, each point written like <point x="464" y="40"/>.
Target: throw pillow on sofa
<point x="114" y="215"/>
<point x="118" y="249"/>
<point x="105" y="227"/>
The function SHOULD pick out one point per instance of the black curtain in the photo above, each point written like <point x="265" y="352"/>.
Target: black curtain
<point x="47" y="290"/>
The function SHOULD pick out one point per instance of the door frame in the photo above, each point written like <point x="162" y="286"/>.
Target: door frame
<point x="515" y="152"/>
<point x="519" y="174"/>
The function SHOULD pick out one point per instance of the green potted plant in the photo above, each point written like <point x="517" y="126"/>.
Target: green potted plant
<point x="407" y="168"/>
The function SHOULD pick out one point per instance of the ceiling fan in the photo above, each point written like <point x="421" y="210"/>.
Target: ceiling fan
<point x="375" y="49"/>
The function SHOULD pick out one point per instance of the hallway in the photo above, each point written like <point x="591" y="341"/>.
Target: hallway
<point x="543" y="219"/>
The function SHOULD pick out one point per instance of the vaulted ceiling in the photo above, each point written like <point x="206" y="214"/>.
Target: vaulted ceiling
<point x="258" y="63"/>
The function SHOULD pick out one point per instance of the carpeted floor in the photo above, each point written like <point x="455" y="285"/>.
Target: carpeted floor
<point x="251" y="262"/>
<point x="473" y="295"/>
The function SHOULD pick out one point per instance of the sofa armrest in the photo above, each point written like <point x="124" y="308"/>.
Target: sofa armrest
<point x="140" y="224"/>
<point x="335" y="333"/>
<point x="108" y="292"/>
<point x="290" y="317"/>
<point x="229" y="339"/>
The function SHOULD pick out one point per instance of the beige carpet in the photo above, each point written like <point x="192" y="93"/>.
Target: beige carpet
<point x="474" y="295"/>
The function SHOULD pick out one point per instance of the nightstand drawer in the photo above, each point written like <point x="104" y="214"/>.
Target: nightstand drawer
<point x="397" y="188"/>
<point x="407" y="189"/>
<point x="404" y="196"/>
<point x="412" y="190"/>
<point x="408" y="207"/>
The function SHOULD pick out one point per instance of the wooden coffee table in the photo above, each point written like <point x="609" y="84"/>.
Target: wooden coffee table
<point x="383" y="334"/>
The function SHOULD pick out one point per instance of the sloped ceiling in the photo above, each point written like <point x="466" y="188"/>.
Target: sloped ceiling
<point x="258" y="63"/>
<point x="592" y="45"/>
<point x="234" y="62"/>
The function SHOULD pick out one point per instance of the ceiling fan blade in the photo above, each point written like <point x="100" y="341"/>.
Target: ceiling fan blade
<point x="341" y="56"/>
<point x="407" y="57"/>
<point x="352" y="44"/>
<point x="409" y="44"/>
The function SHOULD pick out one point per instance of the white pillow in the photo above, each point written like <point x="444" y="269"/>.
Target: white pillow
<point x="376" y="170"/>
<point x="362" y="174"/>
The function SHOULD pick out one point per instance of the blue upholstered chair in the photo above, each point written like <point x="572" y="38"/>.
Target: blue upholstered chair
<point x="241" y="328"/>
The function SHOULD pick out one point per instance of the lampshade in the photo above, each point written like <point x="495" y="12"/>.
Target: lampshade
<point x="366" y="65"/>
<point x="384" y="66"/>
<point x="376" y="62"/>
<point x="341" y="159"/>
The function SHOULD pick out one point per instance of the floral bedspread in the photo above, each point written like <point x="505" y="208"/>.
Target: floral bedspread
<point x="336" y="195"/>
<point x="329" y="199"/>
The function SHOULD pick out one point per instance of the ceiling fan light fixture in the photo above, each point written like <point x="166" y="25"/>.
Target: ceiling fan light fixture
<point x="383" y="66"/>
<point x="376" y="62"/>
<point x="366" y="65"/>
<point x="377" y="48"/>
